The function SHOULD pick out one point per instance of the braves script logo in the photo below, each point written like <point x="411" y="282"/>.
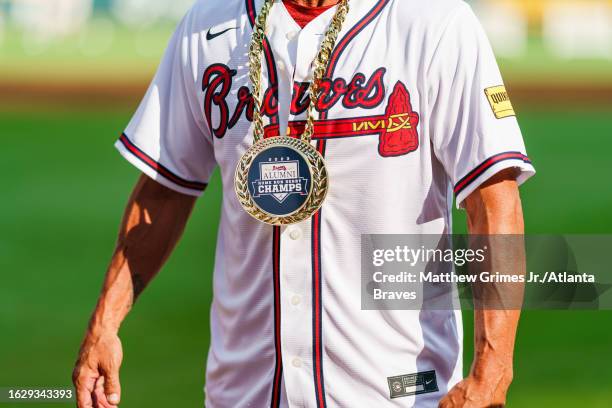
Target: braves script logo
<point x="397" y="128"/>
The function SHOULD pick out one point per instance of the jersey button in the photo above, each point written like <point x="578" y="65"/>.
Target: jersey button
<point x="295" y="234"/>
<point x="297" y="362"/>
<point x="296" y="300"/>
<point x="291" y="35"/>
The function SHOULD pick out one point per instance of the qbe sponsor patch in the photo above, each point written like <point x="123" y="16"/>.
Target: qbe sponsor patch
<point x="412" y="384"/>
<point x="500" y="101"/>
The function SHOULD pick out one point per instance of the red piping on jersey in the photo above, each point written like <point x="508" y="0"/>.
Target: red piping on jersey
<point x="317" y="340"/>
<point x="278" y="365"/>
<point x="159" y="168"/>
<point x="317" y="327"/>
<point x="269" y="56"/>
<point x="481" y="168"/>
<point x="278" y="368"/>
<point x="341" y="46"/>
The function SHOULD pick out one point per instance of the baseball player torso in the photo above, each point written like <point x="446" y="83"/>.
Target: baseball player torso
<point x="383" y="179"/>
<point x="287" y="327"/>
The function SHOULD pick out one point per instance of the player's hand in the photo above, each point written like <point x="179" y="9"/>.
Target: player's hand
<point x="478" y="393"/>
<point x="96" y="374"/>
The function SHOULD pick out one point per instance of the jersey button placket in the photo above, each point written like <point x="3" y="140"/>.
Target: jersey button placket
<point x="297" y="257"/>
<point x="296" y="316"/>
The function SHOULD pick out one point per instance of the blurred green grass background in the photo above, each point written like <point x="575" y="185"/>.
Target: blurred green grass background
<point x="64" y="188"/>
<point x="119" y="53"/>
<point x="63" y="192"/>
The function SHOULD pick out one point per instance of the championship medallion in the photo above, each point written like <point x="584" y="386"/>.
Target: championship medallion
<point x="283" y="180"/>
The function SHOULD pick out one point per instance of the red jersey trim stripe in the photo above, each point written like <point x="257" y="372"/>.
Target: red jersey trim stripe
<point x="484" y="166"/>
<point x="276" y="232"/>
<point x="317" y="304"/>
<point x="278" y="366"/>
<point x="269" y="56"/>
<point x="159" y="168"/>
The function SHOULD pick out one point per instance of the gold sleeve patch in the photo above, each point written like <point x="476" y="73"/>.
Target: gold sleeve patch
<point x="500" y="101"/>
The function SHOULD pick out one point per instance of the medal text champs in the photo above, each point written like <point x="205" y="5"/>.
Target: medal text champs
<point x="280" y="179"/>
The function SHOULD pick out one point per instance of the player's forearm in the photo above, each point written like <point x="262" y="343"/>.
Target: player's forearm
<point x="153" y="222"/>
<point x="493" y="210"/>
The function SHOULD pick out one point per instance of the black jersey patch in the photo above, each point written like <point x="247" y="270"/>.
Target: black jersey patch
<point x="412" y="384"/>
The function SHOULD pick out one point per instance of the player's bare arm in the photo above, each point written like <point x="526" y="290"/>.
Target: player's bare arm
<point x="495" y="208"/>
<point x="153" y="222"/>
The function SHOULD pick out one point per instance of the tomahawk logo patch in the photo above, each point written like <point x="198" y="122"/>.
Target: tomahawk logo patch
<point x="400" y="136"/>
<point x="412" y="384"/>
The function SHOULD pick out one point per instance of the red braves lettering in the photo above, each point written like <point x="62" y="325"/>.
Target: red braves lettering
<point x="217" y="84"/>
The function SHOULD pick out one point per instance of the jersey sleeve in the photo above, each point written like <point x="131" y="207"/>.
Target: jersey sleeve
<point x="167" y="138"/>
<point x="473" y="127"/>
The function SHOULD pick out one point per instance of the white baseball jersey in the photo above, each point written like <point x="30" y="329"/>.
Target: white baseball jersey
<point x="413" y="114"/>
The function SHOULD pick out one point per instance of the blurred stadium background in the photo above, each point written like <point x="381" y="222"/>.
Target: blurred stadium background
<point x="71" y="74"/>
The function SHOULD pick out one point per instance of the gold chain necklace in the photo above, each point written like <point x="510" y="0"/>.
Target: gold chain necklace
<point x="283" y="180"/>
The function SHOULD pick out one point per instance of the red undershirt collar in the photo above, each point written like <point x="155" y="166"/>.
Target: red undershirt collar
<point x="304" y="14"/>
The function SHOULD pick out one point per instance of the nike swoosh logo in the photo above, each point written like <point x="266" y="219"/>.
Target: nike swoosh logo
<point x="210" y="36"/>
<point x="428" y="382"/>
